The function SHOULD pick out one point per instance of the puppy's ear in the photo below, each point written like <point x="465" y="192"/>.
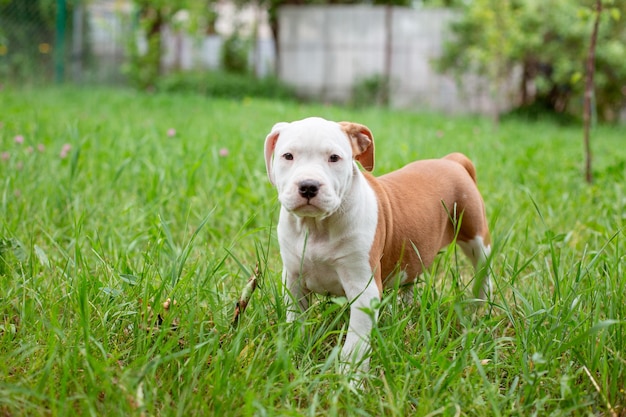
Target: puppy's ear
<point x="270" y="145"/>
<point x="362" y="142"/>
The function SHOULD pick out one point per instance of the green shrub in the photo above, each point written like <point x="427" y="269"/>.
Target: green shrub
<point x="371" y="91"/>
<point x="223" y="84"/>
<point x="548" y="40"/>
<point x="234" y="54"/>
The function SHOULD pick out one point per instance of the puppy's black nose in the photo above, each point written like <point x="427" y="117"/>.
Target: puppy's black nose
<point x="308" y="189"/>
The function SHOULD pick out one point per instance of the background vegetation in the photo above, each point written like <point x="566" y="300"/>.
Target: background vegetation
<point x="27" y="39"/>
<point x="547" y="42"/>
<point x="544" y="41"/>
<point x="113" y="202"/>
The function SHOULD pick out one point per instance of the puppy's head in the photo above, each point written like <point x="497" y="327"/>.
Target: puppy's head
<point x="311" y="163"/>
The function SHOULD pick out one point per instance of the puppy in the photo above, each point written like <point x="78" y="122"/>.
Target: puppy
<point x="347" y="233"/>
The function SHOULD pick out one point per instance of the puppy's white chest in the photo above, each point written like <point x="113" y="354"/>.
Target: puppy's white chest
<point x="315" y="263"/>
<point x="322" y="278"/>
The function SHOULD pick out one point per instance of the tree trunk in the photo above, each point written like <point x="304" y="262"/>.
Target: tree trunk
<point x="589" y="92"/>
<point x="385" y="99"/>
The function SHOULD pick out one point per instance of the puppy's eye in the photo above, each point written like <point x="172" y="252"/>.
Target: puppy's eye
<point x="334" y="158"/>
<point x="288" y="156"/>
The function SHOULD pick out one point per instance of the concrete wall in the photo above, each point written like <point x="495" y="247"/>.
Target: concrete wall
<point x="325" y="50"/>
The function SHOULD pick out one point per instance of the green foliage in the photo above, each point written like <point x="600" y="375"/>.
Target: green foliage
<point x="12" y="253"/>
<point x="224" y="84"/>
<point x="548" y="41"/>
<point x="234" y="53"/>
<point x="143" y="68"/>
<point x="166" y="196"/>
<point x="370" y="91"/>
<point x="27" y="39"/>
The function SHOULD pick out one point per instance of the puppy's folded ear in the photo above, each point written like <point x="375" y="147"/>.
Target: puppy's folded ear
<point x="362" y="142"/>
<point x="270" y="145"/>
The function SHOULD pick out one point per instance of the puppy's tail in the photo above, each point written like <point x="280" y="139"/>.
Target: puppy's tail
<point x="459" y="158"/>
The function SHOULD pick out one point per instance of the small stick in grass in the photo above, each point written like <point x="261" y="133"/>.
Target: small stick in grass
<point x="246" y="294"/>
<point x="597" y="387"/>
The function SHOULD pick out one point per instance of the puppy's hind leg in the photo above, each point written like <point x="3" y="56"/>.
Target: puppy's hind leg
<point x="479" y="252"/>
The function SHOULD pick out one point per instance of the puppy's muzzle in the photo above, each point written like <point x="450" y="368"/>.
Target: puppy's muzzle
<point x="308" y="189"/>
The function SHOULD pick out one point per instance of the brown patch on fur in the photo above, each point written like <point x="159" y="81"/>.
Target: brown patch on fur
<point x="418" y="207"/>
<point x="362" y="142"/>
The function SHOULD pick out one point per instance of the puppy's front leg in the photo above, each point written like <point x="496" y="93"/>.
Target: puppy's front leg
<point x="362" y="319"/>
<point x="295" y="298"/>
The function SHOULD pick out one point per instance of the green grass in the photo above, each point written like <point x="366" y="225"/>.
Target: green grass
<point x="93" y="244"/>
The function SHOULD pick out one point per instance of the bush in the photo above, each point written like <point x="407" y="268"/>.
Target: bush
<point x="548" y="40"/>
<point x="371" y="91"/>
<point x="235" y="54"/>
<point x="223" y="84"/>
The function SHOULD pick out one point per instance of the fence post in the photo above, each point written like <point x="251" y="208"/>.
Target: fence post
<point x="77" y="42"/>
<point x="59" y="56"/>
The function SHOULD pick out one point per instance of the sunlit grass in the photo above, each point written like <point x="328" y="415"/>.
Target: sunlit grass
<point x="112" y="202"/>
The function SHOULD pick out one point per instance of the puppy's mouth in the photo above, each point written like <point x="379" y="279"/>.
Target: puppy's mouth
<point x="313" y="207"/>
<point x="307" y="208"/>
<point x="309" y="198"/>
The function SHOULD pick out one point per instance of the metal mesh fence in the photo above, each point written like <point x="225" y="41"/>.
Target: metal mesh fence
<point x="27" y="39"/>
<point x="99" y="41"/>
<point x="43" y="41"/>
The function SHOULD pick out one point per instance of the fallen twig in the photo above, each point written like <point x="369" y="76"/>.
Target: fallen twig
<point x="612" y="411"/>
<point x="246" y="294"/>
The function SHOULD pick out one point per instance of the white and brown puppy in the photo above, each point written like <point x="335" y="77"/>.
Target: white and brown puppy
<point x="344" y="232"/>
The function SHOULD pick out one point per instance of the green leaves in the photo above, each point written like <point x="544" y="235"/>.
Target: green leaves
<point x="547" y="40"/>
<point x="12" y="251"/>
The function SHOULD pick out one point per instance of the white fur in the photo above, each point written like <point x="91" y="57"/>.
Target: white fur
<point x="325" y="243"/>
<point x="479" y="253"/>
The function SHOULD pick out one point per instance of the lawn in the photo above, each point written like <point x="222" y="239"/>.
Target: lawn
<point x="113" y="202"/>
